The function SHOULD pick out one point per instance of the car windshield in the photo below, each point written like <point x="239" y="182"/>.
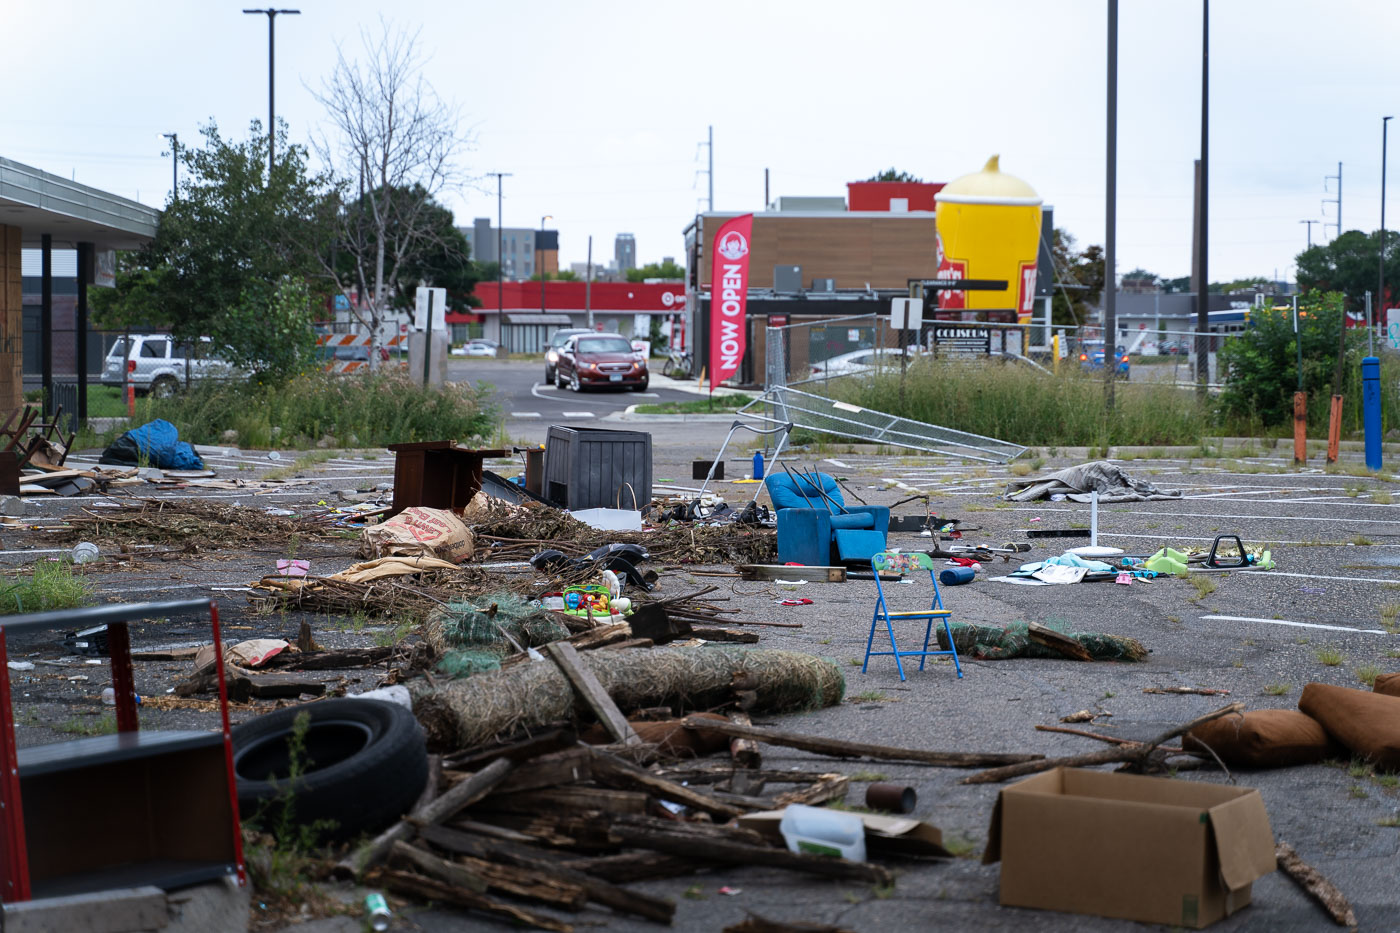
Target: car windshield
<point x="561" y="337"/>
<point x="604" y="345"/>
<point x="118" y="348"/>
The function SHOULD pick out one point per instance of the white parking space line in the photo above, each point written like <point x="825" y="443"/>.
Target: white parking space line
<point x="1275" y="518"/>
<point x="579" y="414"/>
<point x="1330" y="628"/>
<point x="526" y="414"/>
<point x="1268" y="543"/>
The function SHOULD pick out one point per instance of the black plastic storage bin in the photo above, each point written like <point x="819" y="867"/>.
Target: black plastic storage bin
<point x="590" y="468"/>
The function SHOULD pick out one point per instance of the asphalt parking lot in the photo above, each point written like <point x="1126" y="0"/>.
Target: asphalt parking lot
<point x="1261" y="635"/>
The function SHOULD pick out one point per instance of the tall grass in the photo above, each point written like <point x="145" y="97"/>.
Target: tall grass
<point x="1032" y="409"/>
<point x="372" y="409"/>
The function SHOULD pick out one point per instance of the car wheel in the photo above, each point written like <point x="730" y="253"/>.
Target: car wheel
<point x="548" y="375"/>
<point x="365" y="764"/>
<point x="641" y="387"/>
<point x="164" y="387"/>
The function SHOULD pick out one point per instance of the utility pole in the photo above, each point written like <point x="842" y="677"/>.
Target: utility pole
<point x="1203" y="240"/>
<point x="1380" y="289"/>
<point x="1110" y="294"/>
<point x="765" y="189"/>
<point x="710" y="170"/>
<point x="539" y="266"/>
<point x="1337" y="200"/>
<point x="271" y="125"/>
<point x="500" y="261"/>
<point x="1309" y="223"/>
<point x="588" y="285"/>
<point x="175" y="171"/>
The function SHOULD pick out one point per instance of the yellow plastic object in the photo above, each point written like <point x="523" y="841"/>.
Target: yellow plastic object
<point x="989" y="228"/>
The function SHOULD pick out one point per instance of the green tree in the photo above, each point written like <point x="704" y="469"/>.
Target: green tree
<point x="1079" y="279"/>
<point x="1349" y="264"/>
<point x="226" y="261"/>
<point x="893" y="174"/>
<point x="657" y="270"/>
<point x="1262" y="362"/>
<point x="563" y="275"/>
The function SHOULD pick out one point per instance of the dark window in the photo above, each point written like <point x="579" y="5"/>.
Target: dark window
<point x="155" y="349"/>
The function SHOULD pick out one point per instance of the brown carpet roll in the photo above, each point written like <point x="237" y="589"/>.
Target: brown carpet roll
<point x="1264" y="738"/>
<point x="1367" y="723"/>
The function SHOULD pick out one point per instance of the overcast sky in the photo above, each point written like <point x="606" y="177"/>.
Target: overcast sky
<point x="597" y="108"/>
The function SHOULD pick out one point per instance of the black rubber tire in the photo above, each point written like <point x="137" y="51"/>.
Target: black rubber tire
<point x="367" y="764"/>
<point x="548" y="375"/>
<point x="164" y="387"/>
<point x="641" y="387"/>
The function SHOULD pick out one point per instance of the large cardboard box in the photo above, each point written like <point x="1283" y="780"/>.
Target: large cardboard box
<point x="1123" y="845"/>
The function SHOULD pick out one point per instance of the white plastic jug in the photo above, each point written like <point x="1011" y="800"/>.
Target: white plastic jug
<point x="818" y="831"/>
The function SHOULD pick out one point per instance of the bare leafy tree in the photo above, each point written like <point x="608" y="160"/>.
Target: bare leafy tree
<point x="392" y="150"/>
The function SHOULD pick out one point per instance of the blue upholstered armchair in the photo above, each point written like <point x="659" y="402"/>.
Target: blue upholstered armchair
<point x="817" y="528"/>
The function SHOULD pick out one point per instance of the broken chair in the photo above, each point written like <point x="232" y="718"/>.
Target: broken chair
<point x="888" y="562"/>
<point x="817" y="528"/>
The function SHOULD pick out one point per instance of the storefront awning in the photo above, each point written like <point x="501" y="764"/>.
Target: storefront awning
<point x="538" y="319"/>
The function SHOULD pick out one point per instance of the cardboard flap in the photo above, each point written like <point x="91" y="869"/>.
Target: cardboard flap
<point x="1244" y="840"/>
<point x="993" y="851"/>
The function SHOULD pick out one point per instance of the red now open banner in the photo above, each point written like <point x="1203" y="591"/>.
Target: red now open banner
<point x="729" y="291"/>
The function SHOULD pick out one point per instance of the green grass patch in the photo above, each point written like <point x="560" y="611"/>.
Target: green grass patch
<point x="1278" y="690"/>
<point x="701" y="406"/>
<point x="1330" y="657"/>
<point x="1367" y="674"/>
<point x="1032" y="408"/>
<point x="50" y="585"/>
<point x="356" y="410"/>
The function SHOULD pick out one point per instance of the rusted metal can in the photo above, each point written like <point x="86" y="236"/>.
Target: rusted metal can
<point x="892" y="798"/>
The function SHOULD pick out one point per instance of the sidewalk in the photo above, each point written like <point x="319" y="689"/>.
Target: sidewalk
<point x="694" y="386"/>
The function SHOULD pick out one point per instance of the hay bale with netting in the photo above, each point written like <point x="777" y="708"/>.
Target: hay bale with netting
<point x="471" y="636"/>
<point x="472" y="711"/>
<point x="998" y="643"/>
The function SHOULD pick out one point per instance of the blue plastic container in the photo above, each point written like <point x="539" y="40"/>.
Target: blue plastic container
<point x="758" y="464"/>
<point x="957" y="576"/>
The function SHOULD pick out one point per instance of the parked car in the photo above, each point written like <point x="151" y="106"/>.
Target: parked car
<point x="556" y="343"/>
<point x="592" y="359"/>
<point x="1091" y="356"/>
<point x="859" y="361"/>
<point x="158" y="364"/>
<point x="479" y="346"/>
<point x="360" y="354"/>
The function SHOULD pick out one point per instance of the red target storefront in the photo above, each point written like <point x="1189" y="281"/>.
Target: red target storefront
<point x="522" y="316"/>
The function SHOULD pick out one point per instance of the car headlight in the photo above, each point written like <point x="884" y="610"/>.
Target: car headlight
<point x="551" y="356"/>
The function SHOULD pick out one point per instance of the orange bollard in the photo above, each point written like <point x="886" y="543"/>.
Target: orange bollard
<point x="1300" y="428"/>
<point x="1334" y="428"/>
<point x="131" y="401"/>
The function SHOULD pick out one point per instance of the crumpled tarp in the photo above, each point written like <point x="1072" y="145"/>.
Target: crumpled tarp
<point x="1078" y="482"/>
<point x="156" y="443"/>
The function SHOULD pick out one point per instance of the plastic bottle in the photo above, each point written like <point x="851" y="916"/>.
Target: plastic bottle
<point x="109" y="697"/>
<point x="84" y="552"/>
<point x="758" y="464"/>
<point x="377" y="912"/>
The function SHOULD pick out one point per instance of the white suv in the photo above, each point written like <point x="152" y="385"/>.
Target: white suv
<point x="159" y="364"/>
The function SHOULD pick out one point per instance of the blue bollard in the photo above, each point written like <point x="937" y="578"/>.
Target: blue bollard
<point x="1371" y="406"/>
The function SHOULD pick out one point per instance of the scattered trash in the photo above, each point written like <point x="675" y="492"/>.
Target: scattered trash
<point x="894" y="798"/>
<point x="802" y="601"/>
<point x="818" y="831"/>
<point x="156" y="443"/>
<point x="273" y="455"/>
<point x="1124" y="577"/>
<point x="957" y="576"/>
<point x="1016" y="640"/>
<point x="293" y="567"/>
<point x="89" y="641"/>
<point x="377" y="913"/>
<point x="20" y="665"/>
<point x="109" y="697"/>
<point x="1078" y="483"/>
<point x="725" y="889"/>
<point x="420" y="531"/>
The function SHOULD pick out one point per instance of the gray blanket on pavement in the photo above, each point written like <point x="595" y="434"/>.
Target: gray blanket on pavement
<point x="1079" y="482"/>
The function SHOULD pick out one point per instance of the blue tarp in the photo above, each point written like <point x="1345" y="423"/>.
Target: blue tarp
<point x="156" y="444"/>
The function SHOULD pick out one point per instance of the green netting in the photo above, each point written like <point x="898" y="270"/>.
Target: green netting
<point x="473" y="635"/>
<point x="996" y="643"/>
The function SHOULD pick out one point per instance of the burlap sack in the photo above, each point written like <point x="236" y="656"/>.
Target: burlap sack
<point x="420" y="531"/>
<point x="1367" y="723"/>
<point x="1264" y="738"/>
<point x="1389" y="684"/>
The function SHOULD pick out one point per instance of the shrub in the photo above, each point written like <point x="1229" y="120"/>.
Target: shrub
<point x="369" y="409"/>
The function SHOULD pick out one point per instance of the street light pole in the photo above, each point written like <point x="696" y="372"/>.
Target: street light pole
<point x="500" y="262"/>
<point x="1309" y="223"/>
<point x="539" y="263"/>
<point x="175" y="168"/>
<point x="1380" y="290"/>
<point x="271" y="126"/>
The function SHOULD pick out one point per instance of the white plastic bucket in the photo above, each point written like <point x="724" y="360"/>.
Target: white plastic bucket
<point x="818" y="831"/>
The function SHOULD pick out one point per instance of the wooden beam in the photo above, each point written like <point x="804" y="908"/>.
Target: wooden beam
<point x="784" y="572"/>
<point x="611" y="768"/>
<point x="842" y="749"/>
<point x="588" y="688"/>
<point x="739" y="853"/>
<point x="418" y="886"/>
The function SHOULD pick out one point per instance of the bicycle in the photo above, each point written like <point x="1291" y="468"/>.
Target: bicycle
<point x="678" y="365"/>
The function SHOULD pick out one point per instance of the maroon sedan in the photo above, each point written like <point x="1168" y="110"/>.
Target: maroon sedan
<point x="600" y="360"/>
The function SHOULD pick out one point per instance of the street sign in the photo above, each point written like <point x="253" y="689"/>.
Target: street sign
<point x="952" y="340"/>
<point x="434" y="312"/>
<point x="907" y="313"/>
<point x="1392" y="328"/>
